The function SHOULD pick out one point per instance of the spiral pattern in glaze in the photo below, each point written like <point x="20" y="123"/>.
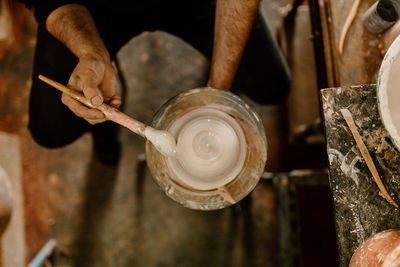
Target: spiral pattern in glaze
<point x="211" y="148"/>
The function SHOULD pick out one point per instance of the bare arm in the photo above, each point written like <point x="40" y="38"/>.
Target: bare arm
<point x="233" y="23"/>
<point x="94" y="75"/>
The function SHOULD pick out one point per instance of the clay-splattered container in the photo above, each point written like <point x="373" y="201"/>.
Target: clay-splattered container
<point x="380" y="250"/>
<point x="388" y="88"/>
<point x="256" y="152"/>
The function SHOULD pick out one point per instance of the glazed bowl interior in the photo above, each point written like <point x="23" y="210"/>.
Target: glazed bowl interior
<point x="388" y="88"/>
<point x="255" y="153"/>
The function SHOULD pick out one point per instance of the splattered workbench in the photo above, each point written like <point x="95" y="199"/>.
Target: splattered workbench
<point x="360" y="209"/>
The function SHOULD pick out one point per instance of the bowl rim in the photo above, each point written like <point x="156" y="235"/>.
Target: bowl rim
<point x="391" y="55"/>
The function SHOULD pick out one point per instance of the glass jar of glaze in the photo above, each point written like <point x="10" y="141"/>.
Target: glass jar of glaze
<point x="252" y="146"/>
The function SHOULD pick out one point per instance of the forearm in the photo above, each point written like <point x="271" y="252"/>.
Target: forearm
<point x="73" y="25"/>
<point x="233" y="24"/>
<point x="94" y="74"/>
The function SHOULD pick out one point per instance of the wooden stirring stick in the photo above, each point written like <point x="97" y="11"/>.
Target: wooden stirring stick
<point x="367" y="157"/>
<point x="110" y="112"/>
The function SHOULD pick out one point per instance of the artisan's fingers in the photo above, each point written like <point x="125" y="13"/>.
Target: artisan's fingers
<point x="90" y="89"/>
<point x="96" y="121"/>
<point x="115" y="101"/>
<point x="80" y="110"/>
<point x="75" y="82"/>
<point x="87" y="85"/>
<point x="109" y="83"/>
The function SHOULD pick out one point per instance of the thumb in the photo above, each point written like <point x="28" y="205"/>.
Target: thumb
<point x="91" y="91"/>
<point x="109" y="83"/>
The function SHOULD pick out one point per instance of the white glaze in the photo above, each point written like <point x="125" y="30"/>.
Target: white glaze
<point x="211" y="149"/>
<point x="389" y="92"/>
<point x="162" y="140"/>
<point x="393" y="91"/>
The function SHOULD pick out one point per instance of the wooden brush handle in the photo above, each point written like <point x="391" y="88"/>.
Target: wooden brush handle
<point x="110" y="112"/>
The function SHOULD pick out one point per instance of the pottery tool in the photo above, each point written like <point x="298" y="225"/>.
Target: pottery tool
<point x="365" y="154"/>
<point x="45" y="252"/>
<point x="347" y="24"/>
<point x="162" y="140"/>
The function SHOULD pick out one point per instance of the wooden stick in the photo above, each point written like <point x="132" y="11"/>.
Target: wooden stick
<point x="110" y="112"/>
<point x="367" y="157"/>
<point x="224" y="192"/>
<point x="347" y="24"/>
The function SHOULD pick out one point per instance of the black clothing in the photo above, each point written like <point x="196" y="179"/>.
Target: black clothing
<point x="262" y="74"/>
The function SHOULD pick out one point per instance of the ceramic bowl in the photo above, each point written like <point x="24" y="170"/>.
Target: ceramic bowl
<point x="388" y="87"/>
<point x="256" y="150"/>
<point x="380" y="249"/>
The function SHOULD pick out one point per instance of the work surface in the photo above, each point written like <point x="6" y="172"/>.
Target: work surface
<point x="360" y="209"/>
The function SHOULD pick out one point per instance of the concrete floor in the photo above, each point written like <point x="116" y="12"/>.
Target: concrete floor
<point x="111" y="216"/>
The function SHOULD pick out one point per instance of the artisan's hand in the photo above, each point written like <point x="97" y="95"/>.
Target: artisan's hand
<point x="96" y="78"/>
<point x="73" y="25"/>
